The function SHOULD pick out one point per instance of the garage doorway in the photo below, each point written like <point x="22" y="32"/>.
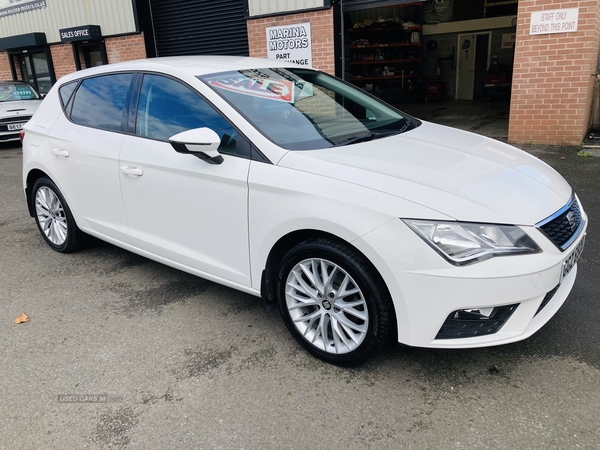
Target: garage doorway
<point x="473" y="62"/>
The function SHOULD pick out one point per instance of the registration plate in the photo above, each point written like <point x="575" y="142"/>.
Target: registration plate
<point x="15" y="126"/>
<point x="571" y="260"/>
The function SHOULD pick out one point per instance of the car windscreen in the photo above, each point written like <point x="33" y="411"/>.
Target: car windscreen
<point x="303" y="109"/>
<point x="17" y="91"/>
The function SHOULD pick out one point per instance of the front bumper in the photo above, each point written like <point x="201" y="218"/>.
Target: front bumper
<point x="426" y="290"/>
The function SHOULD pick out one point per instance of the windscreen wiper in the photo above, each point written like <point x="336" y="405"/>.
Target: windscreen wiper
<point x="356" y="139"/>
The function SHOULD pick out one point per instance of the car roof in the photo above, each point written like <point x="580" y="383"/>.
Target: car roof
<point x="193" y="65"/>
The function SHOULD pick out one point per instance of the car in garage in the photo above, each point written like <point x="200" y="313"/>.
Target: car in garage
<point x="360" y="222"/>
<point x="18" y="101"/>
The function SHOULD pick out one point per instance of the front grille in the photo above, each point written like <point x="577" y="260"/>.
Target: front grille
<point x="12" y="120"/>
<point x="461" y="324"/>
<point x="563" y="227"/>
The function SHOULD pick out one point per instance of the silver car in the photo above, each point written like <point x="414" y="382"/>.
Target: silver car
<point x="18" y="101"/>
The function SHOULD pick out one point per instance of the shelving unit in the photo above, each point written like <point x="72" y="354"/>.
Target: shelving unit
<point x="387" y="57"/>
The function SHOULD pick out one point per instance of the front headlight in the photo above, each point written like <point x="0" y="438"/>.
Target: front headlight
<point x="466" y="243"/>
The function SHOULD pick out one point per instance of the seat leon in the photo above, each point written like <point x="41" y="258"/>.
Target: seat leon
<point x="360" y="222"/>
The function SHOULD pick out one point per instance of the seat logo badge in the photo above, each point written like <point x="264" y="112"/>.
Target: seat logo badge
<point x="571" y="219"/>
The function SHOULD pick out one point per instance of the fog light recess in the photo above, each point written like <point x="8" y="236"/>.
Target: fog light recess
<point x="474" y="322"/>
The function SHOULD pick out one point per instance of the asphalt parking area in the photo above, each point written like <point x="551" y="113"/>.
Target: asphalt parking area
<point x="163" y="359"/>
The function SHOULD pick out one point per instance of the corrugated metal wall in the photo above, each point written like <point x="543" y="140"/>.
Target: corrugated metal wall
<point x="113" y="16"/>
<point x="262" y="7"/>
<point x="200" y="27"/>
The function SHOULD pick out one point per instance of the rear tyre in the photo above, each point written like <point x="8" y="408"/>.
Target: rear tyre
<point x="54" y="218"/>
<point x="333" y="302"/>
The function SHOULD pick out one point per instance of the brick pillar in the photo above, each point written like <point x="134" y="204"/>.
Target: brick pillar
<point x="321" y="27"/>
<point x="552" y="83"/>
<point x="5" y="73"/>
<point x="62" y="59"/>
<point x="125" y="48"/>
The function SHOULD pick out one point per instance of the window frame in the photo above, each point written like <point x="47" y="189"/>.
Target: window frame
<point x="68" y="109"/>
<point x="247" y="150"/>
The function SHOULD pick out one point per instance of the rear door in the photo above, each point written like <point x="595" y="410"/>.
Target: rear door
<point x="85" y="151"/>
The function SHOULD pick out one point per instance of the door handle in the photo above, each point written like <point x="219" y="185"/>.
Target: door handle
<point x="61" y="153"/>
<point x="132" y="171"/>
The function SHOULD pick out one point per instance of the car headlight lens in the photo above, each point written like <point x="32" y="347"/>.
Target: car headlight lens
<point x="465" y="243"/>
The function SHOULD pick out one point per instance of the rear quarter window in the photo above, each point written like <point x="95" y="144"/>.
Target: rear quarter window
<point x="100" y="101"/>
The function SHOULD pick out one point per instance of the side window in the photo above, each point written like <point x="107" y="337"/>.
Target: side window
<point x="167" y="107"/>
<point x="100" y="102"/>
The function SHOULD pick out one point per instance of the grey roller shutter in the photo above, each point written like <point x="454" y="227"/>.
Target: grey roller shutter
<point x="199" y="27"/>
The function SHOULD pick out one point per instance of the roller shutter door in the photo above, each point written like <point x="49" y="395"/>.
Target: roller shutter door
<point x="199" y="27"/>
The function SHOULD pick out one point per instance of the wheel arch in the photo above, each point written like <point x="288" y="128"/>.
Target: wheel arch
<point x="286" y="243"/>
<point x="32" y="177"/>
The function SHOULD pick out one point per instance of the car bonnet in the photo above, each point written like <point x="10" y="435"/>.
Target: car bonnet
<point x="462" y="175"/>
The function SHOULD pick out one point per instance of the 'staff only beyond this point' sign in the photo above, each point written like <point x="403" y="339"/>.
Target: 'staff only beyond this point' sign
<point x="554" y="21"/>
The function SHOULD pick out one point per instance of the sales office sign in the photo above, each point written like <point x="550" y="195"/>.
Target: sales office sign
<point x="291" y="43"/>
<point x="554" y="21"/>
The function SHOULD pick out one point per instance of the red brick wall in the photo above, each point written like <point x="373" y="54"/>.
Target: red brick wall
<point x="321" y="28"/>
<point x="62" y="58"/>
<point x="125" y="48"/>
<point x="552" y="83"/>
<point x="5" y="73"/>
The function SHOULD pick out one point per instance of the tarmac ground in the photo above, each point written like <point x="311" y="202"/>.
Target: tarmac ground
<point x="123" y="352"/>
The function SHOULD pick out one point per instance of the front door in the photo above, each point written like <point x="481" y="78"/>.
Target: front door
<point x="178" y="206"/>
<point x="36" y="71"/>
<point x="467" y="45"/>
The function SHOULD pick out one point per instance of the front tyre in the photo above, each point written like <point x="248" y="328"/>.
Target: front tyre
<point x="333" y="302"/>
<point x="54" y="218"/>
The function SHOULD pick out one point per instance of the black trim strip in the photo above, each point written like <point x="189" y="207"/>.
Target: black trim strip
<point x="286" y="13"/>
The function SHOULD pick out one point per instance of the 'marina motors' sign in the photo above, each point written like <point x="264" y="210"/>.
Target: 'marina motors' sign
<point x="290" y="43"/>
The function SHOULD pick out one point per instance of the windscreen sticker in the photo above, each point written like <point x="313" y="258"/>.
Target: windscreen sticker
<point x="280" y="90"/>
<point x="24" y="93"/>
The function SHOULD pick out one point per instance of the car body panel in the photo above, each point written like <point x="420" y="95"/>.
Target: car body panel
<point x="186" y="210"/>
<point x="449" y="171"/>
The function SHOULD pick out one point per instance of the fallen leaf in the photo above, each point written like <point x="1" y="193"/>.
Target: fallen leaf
<point x="22" y="318"/>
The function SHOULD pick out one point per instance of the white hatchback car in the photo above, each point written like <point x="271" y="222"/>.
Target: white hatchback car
<point x="360" y="222"/>
<point x="18" y="102"/>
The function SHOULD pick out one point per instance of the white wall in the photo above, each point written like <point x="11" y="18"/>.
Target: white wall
<point x="113" y="16"/>
<point x="262" y="7"/>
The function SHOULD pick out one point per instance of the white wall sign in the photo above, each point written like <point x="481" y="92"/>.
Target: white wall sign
<point x="508" y="40"/>
<point x="290" y="43"/>
<point x="10" y="7"/>
<point x="554" y="21"/>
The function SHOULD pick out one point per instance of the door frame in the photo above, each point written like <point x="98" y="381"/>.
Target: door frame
<point x="489" y="51"/>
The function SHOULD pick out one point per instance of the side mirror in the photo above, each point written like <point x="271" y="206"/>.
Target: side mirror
<point x="200" y="142"/>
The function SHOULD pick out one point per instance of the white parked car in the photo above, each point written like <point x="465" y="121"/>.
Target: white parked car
<point x="360" y="222"/>
<point x="18" y="102"/>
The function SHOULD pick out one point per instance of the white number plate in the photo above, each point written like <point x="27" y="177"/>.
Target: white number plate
<point x="571" y="260"/>
<point x="15" y="126"/>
